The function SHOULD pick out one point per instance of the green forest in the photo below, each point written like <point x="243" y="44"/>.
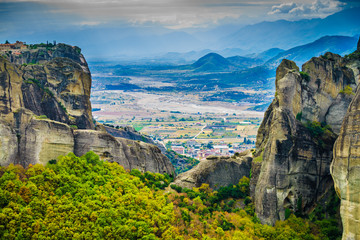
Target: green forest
<point x="86" y="198"/>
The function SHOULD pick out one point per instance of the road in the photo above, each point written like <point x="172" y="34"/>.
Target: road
<point x="202" y="129"/>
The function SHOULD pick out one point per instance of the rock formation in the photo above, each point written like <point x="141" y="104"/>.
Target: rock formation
<point x="345" y="167"/>
<point x="296" y="137"/>
<point x="217" y="171"/>
<point x="58" y="88"/>
<point x="128" y="153"/>
<point x="46" y="112"/>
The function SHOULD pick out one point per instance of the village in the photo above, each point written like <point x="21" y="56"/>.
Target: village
<point x="200" y="140"/>
<point x="201" y="151"/>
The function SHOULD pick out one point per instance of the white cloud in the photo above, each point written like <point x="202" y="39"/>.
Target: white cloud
<point x="89" y="23"/>
<point x="319" y="8"/>
<point x="283" y="8"/>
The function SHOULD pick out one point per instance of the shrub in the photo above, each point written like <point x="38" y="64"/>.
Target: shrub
<point x="259" y="158"/>
<point x="62" y="107"/>
<point x="316" y="128"/>
<point x="48" y="91"/>
<point x="305" y="76"/>
<point x="42" y="117"/>
<point x="52" y="161"/>
<point x="347" y="90"/>
<point x="353" y="56"/>
<point x="287" y="213"/>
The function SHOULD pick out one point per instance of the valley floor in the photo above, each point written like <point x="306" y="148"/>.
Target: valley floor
<point x="181" y="120"/>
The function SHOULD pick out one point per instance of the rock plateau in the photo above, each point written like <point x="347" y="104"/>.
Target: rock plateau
<point x="217" y="171"/>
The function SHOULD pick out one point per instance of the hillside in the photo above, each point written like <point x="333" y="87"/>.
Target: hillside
<point x="337" y="44"/>
<point x="245" y="62"/>
<point x="266" y="55"/>
<point x="212" y="62"/>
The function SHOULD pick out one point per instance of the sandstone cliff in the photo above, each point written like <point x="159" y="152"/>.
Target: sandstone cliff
<point x="217" y="171"/>
<point x="345" y="167"/>
<point x="128" y="153"/>
<point x="57" y="87"/>
<point x="46" y="112"/>
<point x="296" y="137"/>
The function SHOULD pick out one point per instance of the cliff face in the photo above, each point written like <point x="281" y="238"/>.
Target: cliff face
<point x="128" y="153"/>
<point x="46" y="112"/>
<point x="296" y="137"/>
<point x="56" y="86"/>
<point x="217" y="172"/>
<point x="345" y="166"/>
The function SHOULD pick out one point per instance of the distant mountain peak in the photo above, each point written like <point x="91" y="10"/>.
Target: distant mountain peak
<point x="213" y="57"/>
<point x="212" y="62"/>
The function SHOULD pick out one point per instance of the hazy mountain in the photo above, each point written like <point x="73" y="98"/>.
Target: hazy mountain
<point x="229" y="52"/>
<point x="286" y="34"/>
<point x="336" y="44"/>
<point x="178" y="57"/>
<point x="187" y="57"/>
<point x="212" y="62"/>
<point x="266" y="55"/>
<point x="245" y="62"/>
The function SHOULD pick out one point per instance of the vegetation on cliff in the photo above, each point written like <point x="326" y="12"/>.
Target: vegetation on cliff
<point x="181" y="163"/>
<point x="86" y="198"/>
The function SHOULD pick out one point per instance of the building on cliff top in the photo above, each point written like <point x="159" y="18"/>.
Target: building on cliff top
<point x="10" y="46"/>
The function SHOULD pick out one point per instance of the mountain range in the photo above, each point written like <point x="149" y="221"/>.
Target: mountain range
<point x="214" y="62"/>
<point x="288" y="34"/>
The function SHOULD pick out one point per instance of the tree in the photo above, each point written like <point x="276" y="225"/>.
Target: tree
<point x="7" y="42"/>
<point x="168" y="145"/>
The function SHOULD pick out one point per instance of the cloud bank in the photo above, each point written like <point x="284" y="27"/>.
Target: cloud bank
<point x="319" y="8"/>
<point x="175" y="14"/>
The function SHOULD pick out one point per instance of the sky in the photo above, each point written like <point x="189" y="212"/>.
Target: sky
<point x="130" y="27"/>
<point x="172" y="14"/>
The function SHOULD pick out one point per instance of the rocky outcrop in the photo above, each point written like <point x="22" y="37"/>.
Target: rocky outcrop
<point x="35" y="140"/>
<point x="128" y="153"/>
<point x="58" y="88"/>
<point x="320" y="100"/>
<point x="217" y="171"/>
<point x="296" y="137"/>
<point x="345" y="167"/>
<point x="44" y="53"/>
<point x="46" y="112"/>
<point x="255" y="173"/>
<point x="41" y="140"/>
<point x="8" y="144"/>
<point x="128" y="132"/>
